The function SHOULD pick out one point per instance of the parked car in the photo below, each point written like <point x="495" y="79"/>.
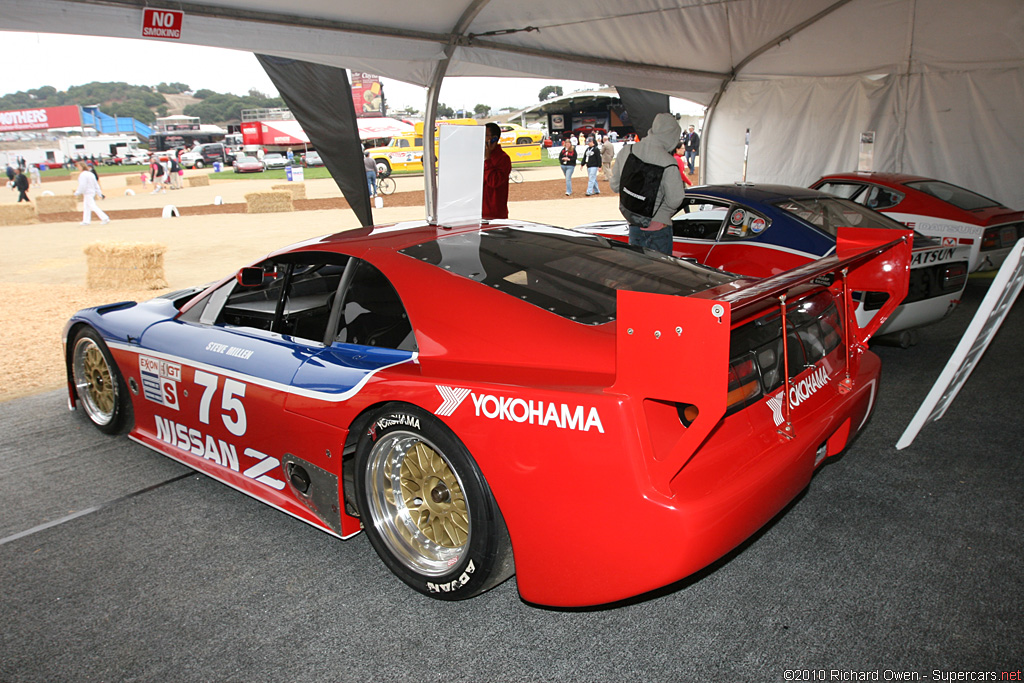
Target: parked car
<point x="936" y="208"/>
<point x="206" y="154"/>
<point x="312" y="158"/>
<point x="335" y="381"/>
<point x="514" y="134"/>
<point x="275" y="160"/>
<point x="763" y="230"/>
<point x="247" y="164"/>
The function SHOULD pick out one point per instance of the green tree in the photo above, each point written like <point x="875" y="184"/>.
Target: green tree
<point x="482" y="110"/>
<point x="444" y="111"/>
<point x="549" y="91"/>
<point x="203" y="93"/>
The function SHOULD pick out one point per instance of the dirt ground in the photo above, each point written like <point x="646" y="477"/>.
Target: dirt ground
<point x="43" y="267"/>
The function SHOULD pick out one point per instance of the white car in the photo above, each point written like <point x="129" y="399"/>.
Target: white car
<point x="275" y="160"/>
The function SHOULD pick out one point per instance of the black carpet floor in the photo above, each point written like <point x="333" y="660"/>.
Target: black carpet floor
<point x="117" y="564"/>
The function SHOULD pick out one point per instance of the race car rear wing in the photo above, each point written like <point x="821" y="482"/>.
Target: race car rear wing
<point x="674" y="350"/>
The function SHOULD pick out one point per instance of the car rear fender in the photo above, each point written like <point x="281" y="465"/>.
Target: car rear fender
<point x="674" y="350"/>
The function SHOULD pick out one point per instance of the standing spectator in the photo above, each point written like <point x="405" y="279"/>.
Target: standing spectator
<point x="681" y="163"/>
<point x="567" y="159"/>
<point x="37" y="177"/>
<point x="88" y="187"/>
<point x="175" y="173"/>
<point x="592" y="161"/>
<point x="607" y="157"/>
<point x="654" y="153"/>
<point x="21" y="185"/>
<point x="10" y="174"/>
<point x="497" y="166"/>
<point x="156" y="175"/>
<point x="692" y="142"/>
<point x="371" y="173"/>
<point x="614" y="135"/>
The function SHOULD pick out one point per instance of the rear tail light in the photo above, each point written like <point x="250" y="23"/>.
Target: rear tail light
<point x="744" y="383"/>
<point x="953" y="277"/>
<point x="1000" y="237"/>
<point x="814" y="330"/>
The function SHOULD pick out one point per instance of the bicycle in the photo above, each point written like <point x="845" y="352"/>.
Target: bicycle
<point x="385" y="183"/>
<point x="515" y="176"/>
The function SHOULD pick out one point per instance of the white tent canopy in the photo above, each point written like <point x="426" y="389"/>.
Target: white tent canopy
<point x="941" y="83"/>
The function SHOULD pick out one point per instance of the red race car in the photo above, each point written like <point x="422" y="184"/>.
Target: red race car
<point x="501" y="398"/>
<point x="937" y="209"/>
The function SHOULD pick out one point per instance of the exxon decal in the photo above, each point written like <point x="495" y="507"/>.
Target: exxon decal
<point x="512" y="409"/>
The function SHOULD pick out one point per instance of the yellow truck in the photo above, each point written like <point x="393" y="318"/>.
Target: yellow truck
<point x="404" y="152"/>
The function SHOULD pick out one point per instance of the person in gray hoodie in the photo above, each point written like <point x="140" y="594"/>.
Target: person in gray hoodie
<point x="655" y="231"/>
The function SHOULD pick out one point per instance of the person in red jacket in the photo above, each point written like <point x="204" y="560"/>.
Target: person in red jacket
<point x="497" y="166"/>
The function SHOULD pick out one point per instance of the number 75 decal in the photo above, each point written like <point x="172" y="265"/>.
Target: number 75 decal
<point x="233" y="411"/>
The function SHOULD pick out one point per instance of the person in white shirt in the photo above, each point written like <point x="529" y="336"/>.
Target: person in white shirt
<point x="89" y="187"/>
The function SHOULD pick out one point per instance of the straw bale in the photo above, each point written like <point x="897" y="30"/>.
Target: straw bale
<point x="298" y="190"/>
<point x="268" y="202"/>
<point x="58" y="203"/>
<point x="18" y="214"/>
<point x="197" y="180"/>
<point x="133" y="179"/>
<point x="121" y="265"/>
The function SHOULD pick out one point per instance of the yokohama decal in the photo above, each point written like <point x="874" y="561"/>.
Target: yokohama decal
<point x="512" y="409"/>
<point x="798" y="393"/>
<point x="453" y="398"/>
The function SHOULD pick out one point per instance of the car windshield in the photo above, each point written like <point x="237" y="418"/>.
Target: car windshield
<point x="832" y="213"/>
<point x="571" y="274"/>
<point x="951" y="194"/>
<point x="272" y="157"/>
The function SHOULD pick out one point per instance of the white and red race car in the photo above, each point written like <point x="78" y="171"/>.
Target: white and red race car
<point x="938" y="209"/>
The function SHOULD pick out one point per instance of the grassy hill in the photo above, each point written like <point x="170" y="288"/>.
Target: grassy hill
<point x="144" y="103"/>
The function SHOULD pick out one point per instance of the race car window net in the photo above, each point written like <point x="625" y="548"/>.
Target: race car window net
<point x="951" y="194"/>
<point x="756" y="367"/>
<point x="568" y="273"/>
<point x="829" y="214"/>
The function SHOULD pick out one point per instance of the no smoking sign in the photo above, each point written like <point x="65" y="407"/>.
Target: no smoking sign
<point x="162" y="23"/>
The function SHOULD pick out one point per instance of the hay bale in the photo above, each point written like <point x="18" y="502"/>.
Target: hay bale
<point x="18" y="214"/>
<point x="59" y="203"/>
<point x="125" y="265"/>
<point x="298" y="190"/>
<point x="197" y="180"/>
<point x="268" y="202"/>
<point x="133" y="179"/>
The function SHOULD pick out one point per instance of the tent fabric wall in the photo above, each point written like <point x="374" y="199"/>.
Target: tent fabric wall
<point x="963" y="127"/>
<point x="938" y="81"/>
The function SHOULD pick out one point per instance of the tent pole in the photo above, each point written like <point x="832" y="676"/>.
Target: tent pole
<point x="430" y="115"/>
<point x="429" y="126"/>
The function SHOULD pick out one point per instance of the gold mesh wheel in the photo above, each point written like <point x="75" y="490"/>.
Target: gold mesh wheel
<point x="94" y="381"/>
<point x="417" y="503"/>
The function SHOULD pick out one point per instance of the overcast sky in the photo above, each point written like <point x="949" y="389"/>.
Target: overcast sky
<point x="33" y="60"/>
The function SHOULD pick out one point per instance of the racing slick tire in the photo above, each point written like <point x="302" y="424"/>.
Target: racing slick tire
<point x="523" y="141"/>
<point x="198" y="164"/>
<point x="99" y="385"/>
<point x="383" y="167"/>
<point x="426" y="507"/>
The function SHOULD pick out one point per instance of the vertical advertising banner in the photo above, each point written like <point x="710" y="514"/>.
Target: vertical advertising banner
<point x="368" y="95"/>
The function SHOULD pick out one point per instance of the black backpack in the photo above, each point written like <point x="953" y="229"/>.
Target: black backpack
<point x="638" y="186"/>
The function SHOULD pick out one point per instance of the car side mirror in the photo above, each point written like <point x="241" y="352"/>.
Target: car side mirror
<point x="250" y="277"/>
